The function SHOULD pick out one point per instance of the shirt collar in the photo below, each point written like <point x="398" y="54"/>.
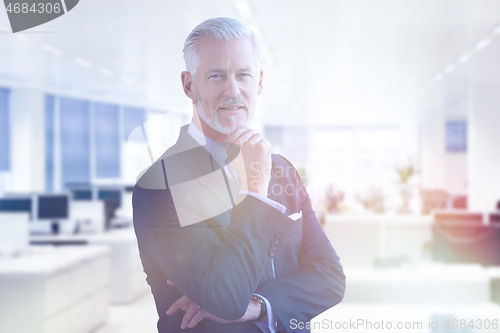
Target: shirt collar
<point x="196" y="134"/>
<point x="214" y="149"/>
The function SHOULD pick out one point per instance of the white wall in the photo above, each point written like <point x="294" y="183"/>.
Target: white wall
<point x="433" y="154"/>
<point x="27" y="140"/>
<point x="484" y="148"/>
<point x="484" y="131"/>
<point x="457" y="178"/>
<point x="447" y="100"/>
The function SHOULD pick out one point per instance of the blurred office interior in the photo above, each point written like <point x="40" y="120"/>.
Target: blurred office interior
<point x="388" y="109"/>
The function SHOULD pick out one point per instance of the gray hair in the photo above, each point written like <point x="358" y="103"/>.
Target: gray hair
<point x="222" y="28"/>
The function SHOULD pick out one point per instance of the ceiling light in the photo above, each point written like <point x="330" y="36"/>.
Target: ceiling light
<point x="450" y="68"/>
<point x="107" y="72"/>
<point x="83" y="62"/>
<point x="438" y="77"/>
<point x="127" y="80"/>
<point x="464" y="57"/>
<point x="243" y="8"/>
<point x="482" y="44"/>
<point x="51" y="49"/>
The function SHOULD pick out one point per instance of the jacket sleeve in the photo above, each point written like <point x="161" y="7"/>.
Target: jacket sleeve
<point x="219" y="276"/>
<point x="318" y="285"/>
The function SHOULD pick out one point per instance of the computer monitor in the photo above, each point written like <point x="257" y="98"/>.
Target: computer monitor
<point x="82" y="194"/>
<point x="17" y="204"/>
<point x="494" y="218"/>
<point x="129" y="188"/>
<point x="114" y="195"/>
<point x="53" y="208"/>
<point x="112" y="198"/>
<point x="81" y="191"/>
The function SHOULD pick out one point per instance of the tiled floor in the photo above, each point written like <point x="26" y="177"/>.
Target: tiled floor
<point x="139" y="316"/>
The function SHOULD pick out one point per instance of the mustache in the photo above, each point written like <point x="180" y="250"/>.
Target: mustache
<point x="229" y="101"/>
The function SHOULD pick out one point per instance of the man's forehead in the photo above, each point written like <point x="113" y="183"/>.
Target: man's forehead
<point x="209" y="41"/>
<point x="211" y="48"/>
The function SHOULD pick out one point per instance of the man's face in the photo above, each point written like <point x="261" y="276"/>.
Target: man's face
<point x="227" y="84"/>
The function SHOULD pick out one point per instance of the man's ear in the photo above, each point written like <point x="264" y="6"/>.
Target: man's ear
<point x="261" y="83"/>
<point x="188" y="85"/>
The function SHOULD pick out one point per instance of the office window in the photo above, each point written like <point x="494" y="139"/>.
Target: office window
<point x="274" y="134"/>
<point x="4" y="130"/>
<point x="289" y="141"/>
<point x="107" y="141"/>
<point x="132" y="118"/>
<point x="456" y="136"/>
<point x="75" y="141"/>
<point x="49" y="142"/>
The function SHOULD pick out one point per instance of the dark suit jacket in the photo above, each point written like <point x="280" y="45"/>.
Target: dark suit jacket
<point x="223" y="256"/>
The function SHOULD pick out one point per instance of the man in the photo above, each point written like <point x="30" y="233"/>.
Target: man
<point x="226" y="232"/>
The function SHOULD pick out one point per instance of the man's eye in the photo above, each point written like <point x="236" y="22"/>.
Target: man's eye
<point x="245" y="74"/>
<point x="216" y="76"/>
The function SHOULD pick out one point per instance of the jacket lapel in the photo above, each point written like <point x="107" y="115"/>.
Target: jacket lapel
<point x="199" y="160"/>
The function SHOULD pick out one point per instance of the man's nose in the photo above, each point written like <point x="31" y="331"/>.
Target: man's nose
<point x="232" y="88"/>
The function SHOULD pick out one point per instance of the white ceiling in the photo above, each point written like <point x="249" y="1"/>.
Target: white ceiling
<point x="327" y="62"/>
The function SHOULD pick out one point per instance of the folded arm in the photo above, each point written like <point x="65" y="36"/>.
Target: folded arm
<point x="219" y="276"/>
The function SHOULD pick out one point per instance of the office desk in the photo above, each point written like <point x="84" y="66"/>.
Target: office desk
<point x="465" y="242"/>
<point x="54" y="290"/>
<point x="127" y="278"/>
<point x="361" y="240"/>
<point x="428" y="284"/>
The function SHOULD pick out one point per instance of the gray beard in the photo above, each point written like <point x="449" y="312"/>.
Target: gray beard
<point x="214" y="121"/>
